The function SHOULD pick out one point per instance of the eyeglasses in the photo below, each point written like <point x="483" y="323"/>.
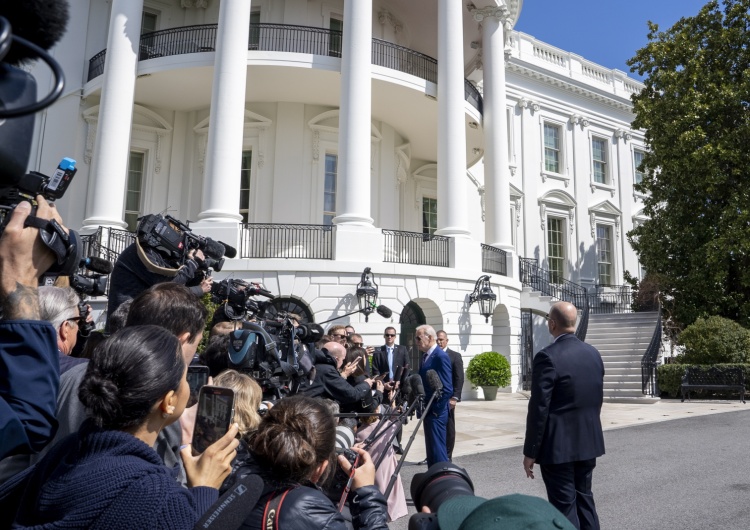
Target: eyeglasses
<point x="339" y="337"/>
<point x="358" y="344"/>
<point x="389" y="335"/>
<point x="76" y="320"/>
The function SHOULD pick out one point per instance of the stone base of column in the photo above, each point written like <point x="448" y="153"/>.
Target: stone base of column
<point x="91" y="224"/>
<point x="465" y="254"/>
<point x="227" y="232"/>
<point x="358" y="243"/>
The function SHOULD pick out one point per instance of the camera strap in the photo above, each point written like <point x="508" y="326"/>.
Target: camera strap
<point x="150" y="265"/>
<point x="273" y="509"/>
<point x="233" y="507"/>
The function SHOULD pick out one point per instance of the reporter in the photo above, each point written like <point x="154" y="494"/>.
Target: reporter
<point x="28" y="347"/>
<point x="329" y="383"/>
<point x="291" y="451"/>
<point x="134" y="386"/>
<point x="247" y="398"/>
<point x="59" y="307"/>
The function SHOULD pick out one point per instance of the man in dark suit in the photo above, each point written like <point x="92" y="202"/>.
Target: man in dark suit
<point x="457" y="372"/>
<point x="436" y="420"/>
<point x="390" y="358"/>
<point x="563" y="426"/>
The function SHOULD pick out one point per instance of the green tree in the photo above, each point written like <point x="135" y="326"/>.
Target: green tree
<point x="695" y="109"/>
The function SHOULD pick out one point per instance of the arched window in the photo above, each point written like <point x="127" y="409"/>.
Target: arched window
<point x="412" y="316"/>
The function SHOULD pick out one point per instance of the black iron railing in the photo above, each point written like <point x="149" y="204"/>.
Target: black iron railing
<point x="550" y="284"/>
<point x="296" y="241"/>
<point x="416" y="248"/>
<point x="649" y="379"/>
<point x="106" y="243"/>
<point x="494" y="260"/>
<point x="403" y="59"/>
<point x="611" y="299"/>
<point x="284" y="38"/>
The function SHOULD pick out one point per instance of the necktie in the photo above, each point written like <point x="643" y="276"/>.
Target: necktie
<point x="390" y="362"/>
<point x="424" y="358"/>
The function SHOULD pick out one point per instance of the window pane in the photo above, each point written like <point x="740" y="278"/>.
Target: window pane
<point x="637" y="161"/>
<point x="556" y="249"/>
<point x="599" y="157"/>
<point x="245" y="178"/>
<point x="551" y="148"/>
<point x="604" y="253"/>
<point x="429" y="215"/>
<point x="134" y="188"/>
<point x="329" y="189"/>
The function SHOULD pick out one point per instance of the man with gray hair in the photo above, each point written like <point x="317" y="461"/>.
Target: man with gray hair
<point x="436" y="420"/>
<point x="329" y="383"/>
<point x="59" y="307"/>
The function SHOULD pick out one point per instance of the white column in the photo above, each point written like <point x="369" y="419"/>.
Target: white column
<point x="496" y="172"/>
<point x="451" y="180"/>
<point x="353" y="182"/>
<point x="109" y="164"/>
<point x="221" y="181"/>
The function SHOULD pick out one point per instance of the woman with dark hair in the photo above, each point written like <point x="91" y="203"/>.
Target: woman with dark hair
<point x="291" y="451"/>
<point x="108" y="475"/>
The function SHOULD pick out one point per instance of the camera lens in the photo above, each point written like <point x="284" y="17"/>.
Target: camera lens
<point x="441" y="482"/>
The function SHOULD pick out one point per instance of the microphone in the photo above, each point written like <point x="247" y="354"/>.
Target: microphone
<point x="98" y="265"/>
<point x="42" y="22"/>
<point x="435" y="383"/>
<point x="417" y="388"/>
<point x="229" y="250"/>
<point x="253" y="290"/>
<point x="384" y="311"/>
<point x="406" y="389"/>
<point x="397" y="376"/>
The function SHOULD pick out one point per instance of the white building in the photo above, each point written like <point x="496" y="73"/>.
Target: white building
<point x="376" y="121"/>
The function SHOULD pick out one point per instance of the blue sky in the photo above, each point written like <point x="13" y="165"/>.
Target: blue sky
<point x="607" y="32"/>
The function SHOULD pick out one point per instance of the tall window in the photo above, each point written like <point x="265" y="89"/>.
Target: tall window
<point x="329" y="193"/>
<point x="334" y="46"/>
<point x="552" y="148"/>
<point x="637" y="160"/>
<point x="245" y="171"/>
<point x="604" y="253"/>
<point x="136" y="165"/>
<point x="429" y="215"/>
<point x="599" y="159"/>
<point x="555" y="249"/>
<point x="254" y="30"/>
<point x="148" y="22"/>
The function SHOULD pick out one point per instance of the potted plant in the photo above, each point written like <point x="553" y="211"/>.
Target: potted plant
<point x="490" y="370"/>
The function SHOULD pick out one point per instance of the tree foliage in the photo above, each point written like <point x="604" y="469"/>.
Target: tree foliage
<point x="695" y="109"/>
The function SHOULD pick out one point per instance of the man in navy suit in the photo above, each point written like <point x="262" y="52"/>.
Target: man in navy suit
<point x="563" y="425"/>
<point x="390" y="358"/>
<point x="457" y="370"/>
<point x="436" y="420"/>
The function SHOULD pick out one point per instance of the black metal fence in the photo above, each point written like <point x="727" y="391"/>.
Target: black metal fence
<point x="611" y="299"/>
<point x="296" y="241"/>
<point x="649" y="379"/>
<point x="284" y="38"/>
<point x="494" y="260"/>
<point x="106" y="243"/>
<point x="416" y="248"/>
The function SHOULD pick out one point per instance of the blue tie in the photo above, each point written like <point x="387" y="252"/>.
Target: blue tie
<point x="390" y="362"/>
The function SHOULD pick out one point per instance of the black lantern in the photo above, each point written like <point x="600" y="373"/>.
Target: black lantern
<point x="485" y="296"/>
<point x="367" y="293"/>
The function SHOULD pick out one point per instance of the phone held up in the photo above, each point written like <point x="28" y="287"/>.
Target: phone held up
<point x="215" y="415"/>
<point x="197" y="376"/>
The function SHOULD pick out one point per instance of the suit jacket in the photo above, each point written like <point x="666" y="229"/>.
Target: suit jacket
<point x="457" y="371"/>
<point x="380" y="360"/>
<point x="439" y="362"/>
<point x="564" y="418"/>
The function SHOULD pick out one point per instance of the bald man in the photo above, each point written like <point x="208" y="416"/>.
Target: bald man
<point x="328" y="382"/>
<point x="563" y="425"/>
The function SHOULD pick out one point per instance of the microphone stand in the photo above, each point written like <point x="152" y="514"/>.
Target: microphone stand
<point x="408" y="445"/>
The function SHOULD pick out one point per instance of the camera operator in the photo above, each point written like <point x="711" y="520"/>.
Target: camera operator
<point x="28" y="349"/>
<point x="140" y="266"/>
<point x="291" y="452"/>
<point x="329" y="383"/>
<point x="59" y="307"/>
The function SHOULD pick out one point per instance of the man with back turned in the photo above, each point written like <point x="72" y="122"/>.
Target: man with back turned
<point x="563" y="425"/>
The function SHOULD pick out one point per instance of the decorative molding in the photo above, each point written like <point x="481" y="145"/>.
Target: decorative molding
<point x="562" y="202"/>
<point x="605" y="211"/>
<point x="519" y="205"/>
<point x="482" y="197"/>
<point x="316" y="145"/>
<point x="529" y="104"/>
<point x="403" y="163"/>
<point x="386" y="17"/>
<point x="625" y="135"/>
<point x="203" y="4"/>
<point x="577" y="119"/>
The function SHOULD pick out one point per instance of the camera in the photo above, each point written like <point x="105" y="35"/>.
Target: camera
<point x="236" y="296"/>
<point x="334" y="490"/>
<point x="443" y="481"/>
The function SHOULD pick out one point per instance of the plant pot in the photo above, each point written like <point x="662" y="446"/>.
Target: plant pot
<point x="490" y="393"/>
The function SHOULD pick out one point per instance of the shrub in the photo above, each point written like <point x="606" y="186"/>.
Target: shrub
<point x="489" y="369"/>
<point x="714" y="340"/>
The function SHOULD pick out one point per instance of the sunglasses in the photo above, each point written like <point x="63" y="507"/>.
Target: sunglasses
<point x="358" y="344"/>
<point x="338" y="337"/>
<point x="389" y="335"/>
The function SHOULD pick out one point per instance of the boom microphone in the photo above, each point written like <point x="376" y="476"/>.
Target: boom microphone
<point x="98" y="265"/>
<point x="435" y="383"/>
<point x="406" y="389"/>
<point x="229" y="250"/>
<point x="417" y="388"/>
<point x="384" y="311"/>
<point x="42" y="22"/>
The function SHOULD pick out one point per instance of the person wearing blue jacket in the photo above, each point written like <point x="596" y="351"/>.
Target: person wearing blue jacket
<point x="436" y="420"/>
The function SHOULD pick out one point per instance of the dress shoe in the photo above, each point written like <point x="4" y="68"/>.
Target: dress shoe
<point x="422" y="463"/>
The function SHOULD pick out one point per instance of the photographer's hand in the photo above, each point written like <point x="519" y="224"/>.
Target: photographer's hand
<point x="214" y="465"/>
<point x="23" y="260"/>
<point x="206" y="284"/>
<point x="364" y="475"/>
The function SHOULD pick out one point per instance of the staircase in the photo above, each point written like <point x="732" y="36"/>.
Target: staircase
<point x="622" y="339"/>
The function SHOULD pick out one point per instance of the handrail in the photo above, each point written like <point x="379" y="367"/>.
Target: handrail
<point x="415" y="248"/>
<point x="276" y="240"/>
<point x="649" y="380"/>
<point x="285" y="38"/>
<point x="546" y="282"/>
<point x="494" y="260"/>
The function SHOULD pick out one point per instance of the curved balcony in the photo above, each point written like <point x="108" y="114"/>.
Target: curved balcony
<point x="284" y="38"/>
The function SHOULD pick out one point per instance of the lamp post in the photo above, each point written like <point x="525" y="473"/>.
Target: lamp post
<point x="367" y="293"/>
<point x="485" y="296"/>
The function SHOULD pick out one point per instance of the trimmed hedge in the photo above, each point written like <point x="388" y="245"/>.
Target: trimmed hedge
<point x="670" y="378"/>
<point x="715" y="340"/>
<point x="489" y="369"/>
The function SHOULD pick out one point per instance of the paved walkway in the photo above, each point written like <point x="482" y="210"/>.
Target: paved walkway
<point x="489" y="425"/>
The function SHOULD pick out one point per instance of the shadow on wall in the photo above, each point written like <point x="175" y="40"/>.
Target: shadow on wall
<point x="464" y="324"/>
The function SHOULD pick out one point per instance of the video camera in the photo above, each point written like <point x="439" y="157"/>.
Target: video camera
<point x="90" y="285"/>
<point x="236" y="296"/>
<point x="174" y="239"/>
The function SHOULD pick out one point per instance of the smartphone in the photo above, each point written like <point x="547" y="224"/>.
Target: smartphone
<point x="215" y="415"/>
<point x="381" y="376"/>
<point x="197" y="376"/>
